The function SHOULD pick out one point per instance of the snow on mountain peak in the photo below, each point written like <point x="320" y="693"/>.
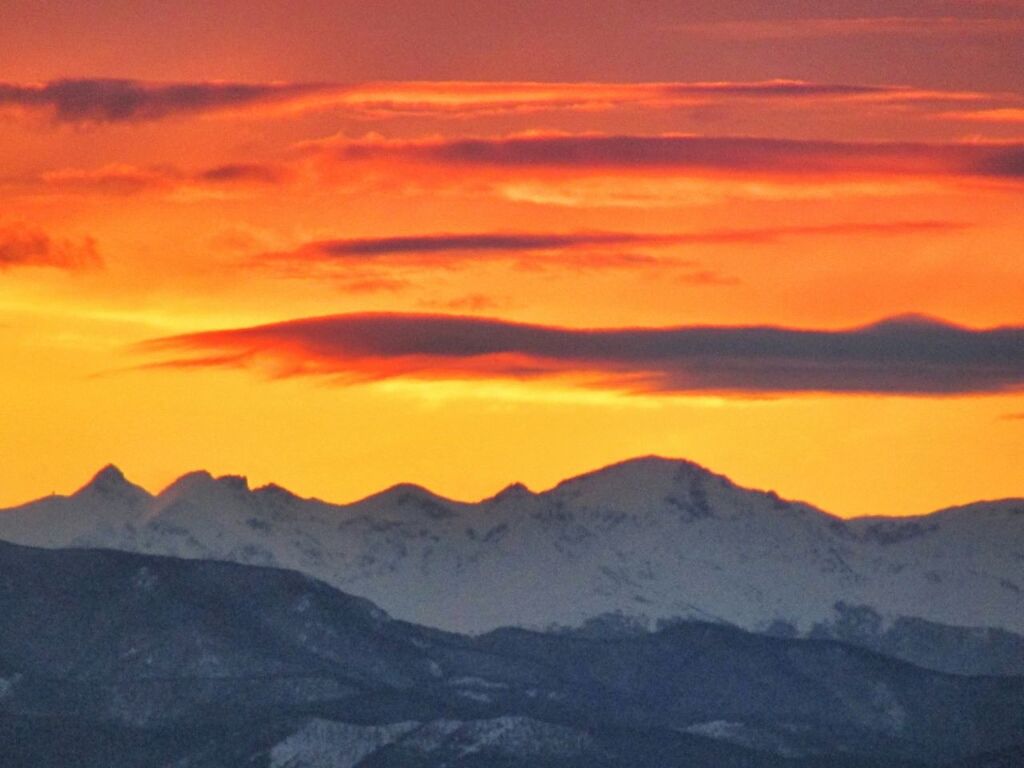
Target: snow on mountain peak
<point x="642" y="484"/>
<point x="107" y="478"/>
<point x="109" y="474"/>
<point x="1012" y="507"/>
<point x="408" y="498"/>
<point x="202" y="482"/>
<point x="202" y="490"/>
<point x="238" y="483"/>
<point x="275" y="491"/>
<point x="513" y="493"/>
<point x="110" y="483"/>
<point x="651" y="537"/>
<point x="187" y="483"/>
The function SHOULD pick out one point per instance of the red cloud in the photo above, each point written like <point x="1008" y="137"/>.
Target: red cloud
<point x="746" y="156"/>
<point x="901" y="356"/>
<point x="25" y="246"/>
<point x="105" y="100"/>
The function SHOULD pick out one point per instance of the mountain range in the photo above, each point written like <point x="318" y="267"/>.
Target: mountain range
<point x="622" y="551"/>
<point x="111" y="658"/>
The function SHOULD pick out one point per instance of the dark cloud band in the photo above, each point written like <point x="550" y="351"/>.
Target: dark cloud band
<point x="113" y="100"/>
<point x="720" y="154"/>
<point x="900" y="356"/>
<point x="110" y="100"/>
<point x="475" y="244"/>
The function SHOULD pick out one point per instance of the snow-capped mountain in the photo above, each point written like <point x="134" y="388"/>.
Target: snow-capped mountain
<point x="646" y="540"/>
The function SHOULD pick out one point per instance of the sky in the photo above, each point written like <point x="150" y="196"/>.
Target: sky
<point x="341" y="245"/>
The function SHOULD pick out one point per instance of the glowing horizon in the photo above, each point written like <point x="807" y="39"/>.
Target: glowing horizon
<point x="347" y="246"/>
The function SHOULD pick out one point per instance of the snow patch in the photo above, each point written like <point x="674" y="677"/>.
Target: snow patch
<point x="328" y="744"/>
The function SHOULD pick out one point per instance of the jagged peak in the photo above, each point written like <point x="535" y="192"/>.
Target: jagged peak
<point x="412" y="497"/>
<point x="512" y="492"/>
<point x="109" y="475"/>
<point x="201" y="482"/>
<point x="277" y="491"/>
<point x="410" y="491"/>
<point x="110" y="481"/>
<point x="234" y="482"/>
<point x="188" y="482"/>
<point x="660" y="483"/>
<point x="640" y="467"/>
<point x="633" y="478"/>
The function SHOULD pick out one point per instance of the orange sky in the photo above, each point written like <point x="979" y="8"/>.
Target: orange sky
<point x="463" y="244"/>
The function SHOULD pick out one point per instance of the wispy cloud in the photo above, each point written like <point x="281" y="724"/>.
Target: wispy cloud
<point x="98" y="101"/>
<point x="122" y="101"/>
<point x="803" y="28"/>
<point x="449" y="247"/>
<point x="473" y="302"/>
<point x="244" y="173"/>
<point x="22" y="245"/>
<point x="1000" y="115"/>
<point x="125" y="179"/>
<point x="709" y="154"/>
<point x="397" y="262"/>
<point x="910" y="356"/>
<point x="455" y="98"/>
<point x="625" y="188"/>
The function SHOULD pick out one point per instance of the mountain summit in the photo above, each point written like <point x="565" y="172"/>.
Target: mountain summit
<point x="110" y="477"/>
<point x="649" y="540"/>
<point x="111" y="482"/>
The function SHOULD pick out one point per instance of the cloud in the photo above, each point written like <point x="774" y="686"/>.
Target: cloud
<point x="708" y="277"/>
<point x="115" y="179"/>
<point x="910" y="355"/>
<point x="369" y="248"/>
<point x="583" y="249"/>
<point x="793" y="158"/>
<point x="22" y="245"/>
<point x="244" y="173"/>
<point x="1010" y="115"/>
<point x="803" y="28"/>
<point x="461" y="99"/>
<point x="125" y="101"/>
<point x="527" y="249"/>
<point x="473" y="302"/>
<point x="115" y="100"/>
<point x="105" y="100"/>
<point x="625" y="188"/>
<point x="372" y="283"/>
<point x="124" y="179"/>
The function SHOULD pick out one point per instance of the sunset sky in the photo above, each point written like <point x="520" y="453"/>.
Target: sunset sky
<point x="339" y="245"/>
